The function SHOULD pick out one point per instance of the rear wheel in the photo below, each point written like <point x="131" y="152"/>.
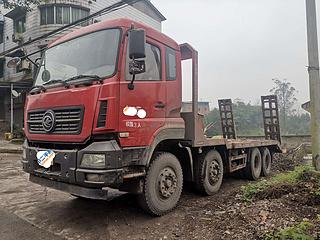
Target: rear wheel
<point x="253" y="168"/>
<point x="163" y="185"/>
<point x="209" y="173"/>
<point x="266" y="162"/>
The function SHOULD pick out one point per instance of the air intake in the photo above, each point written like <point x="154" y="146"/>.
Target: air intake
<point x="102" y="114"/>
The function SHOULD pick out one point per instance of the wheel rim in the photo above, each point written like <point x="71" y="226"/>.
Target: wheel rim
<point x="167" y="183"/>
<point x="214" y="171"/>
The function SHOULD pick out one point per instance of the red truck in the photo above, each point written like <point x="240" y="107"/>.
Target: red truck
<point x="105" y="112"/>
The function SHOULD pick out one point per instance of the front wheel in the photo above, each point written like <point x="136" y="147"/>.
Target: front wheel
<point x="162" y="185"/>
<point x="209" y="173"/>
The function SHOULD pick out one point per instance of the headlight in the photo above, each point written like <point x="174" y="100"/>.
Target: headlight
<point x="93" y="161"/>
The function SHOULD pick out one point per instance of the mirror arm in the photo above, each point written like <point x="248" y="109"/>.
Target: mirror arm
<point x="131" y="85"/>
<point x="34" y="63"/>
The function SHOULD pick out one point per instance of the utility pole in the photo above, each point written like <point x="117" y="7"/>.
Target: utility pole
<point x="314" y="80"/>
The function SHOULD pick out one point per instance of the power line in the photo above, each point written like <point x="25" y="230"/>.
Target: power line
<point x="114" y="7"/>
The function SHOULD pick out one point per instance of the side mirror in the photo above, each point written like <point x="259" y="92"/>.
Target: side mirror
<point x="137" y="50"/>
<point x="14" y="62"/>
<point x="137" y="43"/>
<point x="15" y="94"/>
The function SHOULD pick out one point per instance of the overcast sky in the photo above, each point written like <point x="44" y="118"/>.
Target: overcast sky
<point x="242" y="44"/>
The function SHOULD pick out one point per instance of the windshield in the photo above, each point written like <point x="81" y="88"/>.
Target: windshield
<point x="91" y="54"/>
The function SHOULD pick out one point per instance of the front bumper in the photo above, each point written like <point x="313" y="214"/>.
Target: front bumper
<point x="66" y="167"/>
<point x="92" y="193"/>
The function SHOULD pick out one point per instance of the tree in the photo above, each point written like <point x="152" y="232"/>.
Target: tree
<point x="9" y="4"/>
<point x="286" y="94"/>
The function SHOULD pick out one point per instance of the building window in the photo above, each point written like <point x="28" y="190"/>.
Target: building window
<point x="153" y="65"/>
<point x="171" y="65"/>
<point x="47" y="15"/>
<point x="62" y="14"/>
<point x="65" y="15"/>
<point x="20" y="25"/>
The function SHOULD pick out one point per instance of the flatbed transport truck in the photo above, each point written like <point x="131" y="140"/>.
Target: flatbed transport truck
<point x="105" y="112"/>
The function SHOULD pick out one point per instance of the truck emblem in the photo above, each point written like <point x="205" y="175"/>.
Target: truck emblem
<point x="48" y="121"/>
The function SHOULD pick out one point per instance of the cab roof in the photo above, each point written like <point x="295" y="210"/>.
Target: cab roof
<point x="121" y="22"/>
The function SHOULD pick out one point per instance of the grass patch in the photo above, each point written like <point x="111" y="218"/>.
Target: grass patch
<point x="303" y="231"/>
<point x="281" y="184"/>
<point x="306" y="230"/>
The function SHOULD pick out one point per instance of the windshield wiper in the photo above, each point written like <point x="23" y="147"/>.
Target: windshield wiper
<point x="91" y="77"/>
<point x="53" y="81"/>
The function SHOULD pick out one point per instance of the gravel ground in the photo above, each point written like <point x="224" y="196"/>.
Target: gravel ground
<point x="222" y="216"/>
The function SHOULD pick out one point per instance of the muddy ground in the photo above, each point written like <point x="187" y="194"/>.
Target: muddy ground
<point x="223" y="216"/>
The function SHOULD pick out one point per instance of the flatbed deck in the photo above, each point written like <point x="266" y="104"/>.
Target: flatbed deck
<point x="240" y="143"/>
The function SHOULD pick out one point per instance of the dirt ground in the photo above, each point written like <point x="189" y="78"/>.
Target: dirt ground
<point x="222" y="216"/>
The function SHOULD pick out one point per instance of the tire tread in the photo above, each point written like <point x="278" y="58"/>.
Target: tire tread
<point x="144" y="199"/>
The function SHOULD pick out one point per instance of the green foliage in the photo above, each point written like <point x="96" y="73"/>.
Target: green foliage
<point x="297" y="124"/>
<point x="316" y="192"/>
<point x="248" y="121"/>
<point x="10" y="4"/>
<point x="248" y="118"/>
<point x="250" y="191"/>
<point x="302" y="231"/>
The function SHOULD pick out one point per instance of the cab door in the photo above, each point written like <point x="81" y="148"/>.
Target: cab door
<point x="142" y="110"/>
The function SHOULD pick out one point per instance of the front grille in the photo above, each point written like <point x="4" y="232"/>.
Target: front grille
<point x="67" y="121"/>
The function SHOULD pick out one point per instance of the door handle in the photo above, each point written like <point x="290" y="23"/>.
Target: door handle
<point x="160" y="105"/>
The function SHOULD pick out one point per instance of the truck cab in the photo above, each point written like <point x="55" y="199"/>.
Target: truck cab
<point x="104" y="113"/>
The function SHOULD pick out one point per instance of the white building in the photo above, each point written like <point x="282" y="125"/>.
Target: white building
<point x="18" y="26"/>
<point x="203" y="107"/>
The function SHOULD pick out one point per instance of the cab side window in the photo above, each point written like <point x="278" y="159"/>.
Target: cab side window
<point x="171" y="64"/>
<point x="153" y="65"/>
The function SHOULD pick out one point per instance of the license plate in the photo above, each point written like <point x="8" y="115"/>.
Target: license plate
<point x="45" y="158"/>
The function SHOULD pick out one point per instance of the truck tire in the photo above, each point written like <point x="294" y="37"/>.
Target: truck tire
<point x="266" y="162"/>
<point x="209" y="173"/>
<point x="162" y="186"/>
<point x="253" y="169"/>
